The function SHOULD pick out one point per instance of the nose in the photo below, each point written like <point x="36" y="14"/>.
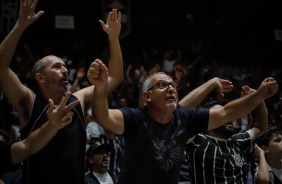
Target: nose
<point x="169" y="87"/>
<point x="65" y="70"/>
<point x="105" y="155"/>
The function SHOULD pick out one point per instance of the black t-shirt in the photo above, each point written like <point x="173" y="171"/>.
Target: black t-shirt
<point x="153" y="152"/>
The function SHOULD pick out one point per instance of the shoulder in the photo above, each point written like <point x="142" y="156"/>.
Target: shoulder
<point x="84" y="95"/>
<point x="132" y="111"/>
<point x="194" y="113"/>
<point x="90" y="178"/>
<point x="192" y="110"/>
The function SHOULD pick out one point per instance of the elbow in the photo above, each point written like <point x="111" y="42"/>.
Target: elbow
<point x="262" y="181"/>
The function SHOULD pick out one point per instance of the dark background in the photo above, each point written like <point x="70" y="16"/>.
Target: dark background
<point x="232" y="32"/>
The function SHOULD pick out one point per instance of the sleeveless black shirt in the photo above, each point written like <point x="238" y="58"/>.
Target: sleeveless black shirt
<point x="62" y="160"/>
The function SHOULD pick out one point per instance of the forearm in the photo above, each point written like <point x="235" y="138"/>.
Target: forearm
<point x="240" y="107"/>
<point x="33" y="143"/>
<point x="262" y="175"/>
<point x="100" y="111"/>
<point x="195" y="97"/>
<point x="115" y="64"/>
<point x="261" y="117"/>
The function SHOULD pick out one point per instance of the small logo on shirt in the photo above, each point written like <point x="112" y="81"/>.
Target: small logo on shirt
<point x="238" y="160"/>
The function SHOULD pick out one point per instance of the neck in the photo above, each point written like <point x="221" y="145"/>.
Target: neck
<point x="56" y="97"/>
<point x="100" y="170"/>
<point x="274" y="162"/>
<point x="161" y="117"/>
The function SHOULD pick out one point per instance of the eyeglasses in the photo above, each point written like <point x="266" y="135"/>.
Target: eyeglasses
<point x="164" y="85"/>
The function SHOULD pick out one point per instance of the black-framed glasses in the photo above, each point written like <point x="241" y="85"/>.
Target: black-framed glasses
<point x="164" y="85"/>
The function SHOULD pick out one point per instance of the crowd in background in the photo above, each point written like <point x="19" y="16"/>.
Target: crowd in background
<point x="188" y="70"/>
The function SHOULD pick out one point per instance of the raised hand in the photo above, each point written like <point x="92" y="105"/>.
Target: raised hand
<point x="224" y="86"/>
<point x="97" y="73"/>
<point x="61" y="116"/>
<point x="155" y="69"/>
<point x="27" y="13"/>
<point x="258" y="151"/>
<point x="80" y="72"/>
<point x="246" y="90"/>
<point x="268" y="87"/>
<point x="113" y="25"/>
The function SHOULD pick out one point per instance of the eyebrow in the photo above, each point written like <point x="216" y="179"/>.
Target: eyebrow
<point x="172" y="81"/>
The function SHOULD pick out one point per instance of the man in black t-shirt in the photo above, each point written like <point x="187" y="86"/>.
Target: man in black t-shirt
<point x="156" y="135"/>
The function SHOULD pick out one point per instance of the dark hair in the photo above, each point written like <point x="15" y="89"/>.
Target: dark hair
<point x="264" y="136"/>
<point x="94" y="148"/>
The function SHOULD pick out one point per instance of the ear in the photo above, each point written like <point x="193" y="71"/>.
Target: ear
<point x="39" y="77"/>
<point x="265" y="148"/>
<point x="146" y="96"/>
<point x="90" y="160"/>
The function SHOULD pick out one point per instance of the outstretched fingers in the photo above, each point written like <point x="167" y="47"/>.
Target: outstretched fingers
<point x="62" y="115"/>
<point x="67" y="119"/>
<point x="68" y="107"/>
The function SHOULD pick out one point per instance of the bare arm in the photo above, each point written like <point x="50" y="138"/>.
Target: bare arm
<point x="11" y="86"/>
<point x="112" y="28"/>
<point x="110" y="119"/>
<point x="195" y="97"/>
<point x="260" y="120"/>
<point x="262" y="175"/>
<point x="38" y="139"/>
<point x="239" y="107"/>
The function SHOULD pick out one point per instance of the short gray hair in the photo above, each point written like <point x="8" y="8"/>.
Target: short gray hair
<point x="147" y="82"/>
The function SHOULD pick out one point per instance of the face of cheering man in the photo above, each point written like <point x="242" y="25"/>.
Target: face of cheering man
<point x="162" y="93"/>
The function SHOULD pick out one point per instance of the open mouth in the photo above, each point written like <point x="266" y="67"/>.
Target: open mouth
<point x="171" y="98"/>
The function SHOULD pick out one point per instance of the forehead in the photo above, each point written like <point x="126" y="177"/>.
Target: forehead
<point x="50" y="60"/>
<point x="275" y="135"/>
<point x="162" y="77"/>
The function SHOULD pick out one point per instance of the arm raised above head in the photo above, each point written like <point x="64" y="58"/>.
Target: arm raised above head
<point x="17" y="93"/>
<point x="195" y="97"/>
<point x="242" y="106"/>
<point x="110" y="119"/>
<point x="112" y="28"/>
<point x="259" y="116"/>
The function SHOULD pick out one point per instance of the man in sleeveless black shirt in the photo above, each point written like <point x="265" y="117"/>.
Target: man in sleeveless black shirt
<point x="63" y="159"/>
<point x="156" y="135"/>
<point x="11" y="154"/>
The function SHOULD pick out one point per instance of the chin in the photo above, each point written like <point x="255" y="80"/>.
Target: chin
<point x="172" y="106"/>
<point x="65" y="89"/>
